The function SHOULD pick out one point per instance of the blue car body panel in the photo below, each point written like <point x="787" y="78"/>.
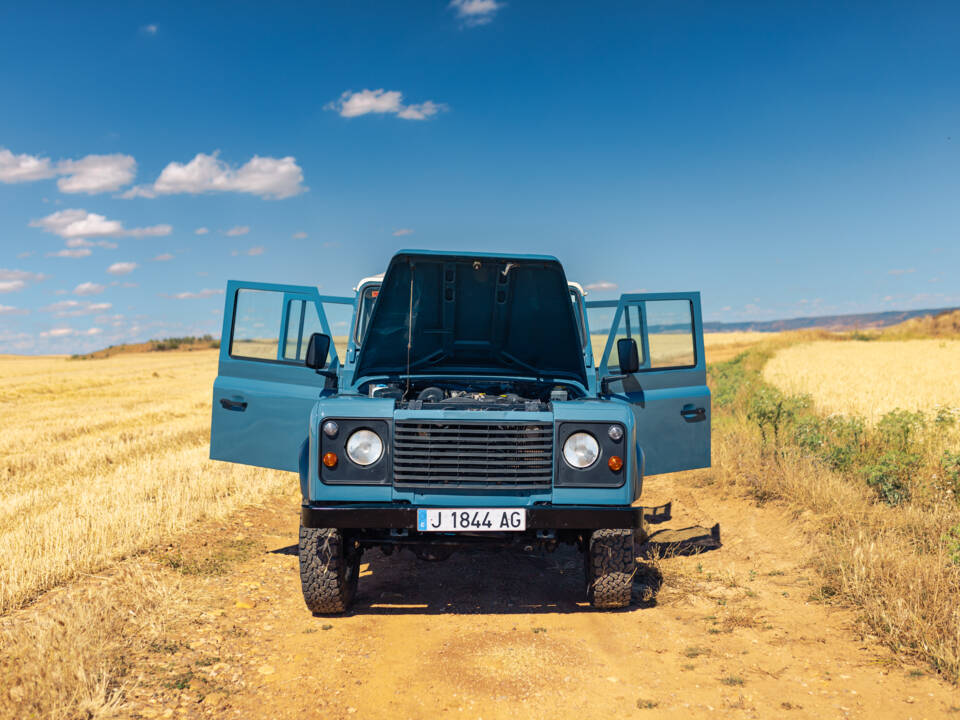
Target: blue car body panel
<point x="261" y="407"/>
<point x="268" y="409"/>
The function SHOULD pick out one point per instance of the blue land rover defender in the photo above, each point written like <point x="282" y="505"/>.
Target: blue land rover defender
<point x="464" y="405"/>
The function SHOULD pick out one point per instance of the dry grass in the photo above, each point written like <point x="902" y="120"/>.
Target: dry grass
<point x="899" y="565"/>
<point x="870" y="379"/>
<point x="66" y="659"/>
<point x="102" y="458"/>
<point x="889" y="562"/>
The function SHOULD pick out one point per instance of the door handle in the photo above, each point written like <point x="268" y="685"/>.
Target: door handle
<point x="236" y="405"/>
<point x="692" y="414"/>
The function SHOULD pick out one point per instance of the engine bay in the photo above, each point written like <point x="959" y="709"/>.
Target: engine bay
<point x="496" y="395"/>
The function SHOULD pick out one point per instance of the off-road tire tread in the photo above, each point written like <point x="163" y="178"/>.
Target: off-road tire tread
<point x="611" y="564"/>
<point x="328" y="576"/>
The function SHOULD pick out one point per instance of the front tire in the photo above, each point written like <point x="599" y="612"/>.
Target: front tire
<point x="611" y="563"/>
<point x="328" y="570"/>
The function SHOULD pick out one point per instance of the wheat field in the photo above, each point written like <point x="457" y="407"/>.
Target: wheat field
<point x="716" y="345"/>
<point x="870" y="379"/>
<point x="102" y="458"/>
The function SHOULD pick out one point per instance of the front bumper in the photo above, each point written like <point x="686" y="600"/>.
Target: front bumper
<point x="382" y="516"/>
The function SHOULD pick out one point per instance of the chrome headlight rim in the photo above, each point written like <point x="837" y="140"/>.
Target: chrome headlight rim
<point x="364" y="447"/>
<point x="585" y="440"/>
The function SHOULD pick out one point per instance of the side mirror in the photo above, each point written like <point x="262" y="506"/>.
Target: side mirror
<point x="317" y="350"/>
<point x="629" y="356"/>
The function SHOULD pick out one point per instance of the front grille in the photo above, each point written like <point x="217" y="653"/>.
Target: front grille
<point x="489" y="455"/>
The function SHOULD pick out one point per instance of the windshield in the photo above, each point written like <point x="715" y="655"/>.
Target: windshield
<point x="578" y="311"/>
<point x="368" y="299"/>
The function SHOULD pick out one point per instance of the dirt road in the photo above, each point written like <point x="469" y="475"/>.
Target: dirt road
<point x="736" y="632"/>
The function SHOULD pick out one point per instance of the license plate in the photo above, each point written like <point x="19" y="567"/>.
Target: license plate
<point x="471" y="519"/>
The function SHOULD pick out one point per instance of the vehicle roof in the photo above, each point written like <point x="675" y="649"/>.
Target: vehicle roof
<point x="370" y="278"/>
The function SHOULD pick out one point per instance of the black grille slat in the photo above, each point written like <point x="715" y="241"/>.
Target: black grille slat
<point x="452" y="454"/>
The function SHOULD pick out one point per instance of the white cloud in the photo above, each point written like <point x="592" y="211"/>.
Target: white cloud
<point x="24" y="168"/>
<point x="88" y="288"/>
<point x="75" y="223"/>
<point x="24" y="254"/>
<point x="902" y="272"/>
<point x="201" y="231"/>
<point x="151" y="231"/>
<point x="602" y="286"/>
<point x="195" y="295"/>
<point x="476" y="12"/>
<point x="122" y="268"/>
<point x="421" y="111"/>
<point x="13" y="280"/>
<point x="90" y="174"/>
<point x="58" y="332"/>
<point x="237" y="230"/>
<point x="301" y="235"/>
<point x="354" y="104"/>
<point x="67" y="253"/>
<point x="96" y="173"/>
<point x="266" y="177"/>
<point x="259" y="250"/>
<point x="10" y="310"/>
<point x="83" y="242"/>
<point x="163" y="257"/>
<point x="150" y="29"/>
<point x="76" y="308"/>
<point x="67" y="331"/>
<point x="402" y="231"/>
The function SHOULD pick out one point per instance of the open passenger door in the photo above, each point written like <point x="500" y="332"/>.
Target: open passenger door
<point x="264" y="392"/>
<point x="669" y="393"/>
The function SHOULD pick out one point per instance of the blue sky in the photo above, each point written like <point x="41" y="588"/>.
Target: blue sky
<point x="784" y="159"/>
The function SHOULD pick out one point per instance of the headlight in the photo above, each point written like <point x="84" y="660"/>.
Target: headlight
<point x="364" y="447"/>
<point x="581" y="450"/>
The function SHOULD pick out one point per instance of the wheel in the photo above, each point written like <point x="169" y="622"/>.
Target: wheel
<point x="328" y="570"/>
<point x="610" y="564"/>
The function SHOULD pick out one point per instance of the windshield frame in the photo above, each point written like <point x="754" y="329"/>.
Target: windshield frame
<point x="363" y="311"/>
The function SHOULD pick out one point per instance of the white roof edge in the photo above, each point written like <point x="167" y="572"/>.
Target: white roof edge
<point x="379" y="277"/>
<point x="372" y="278"/>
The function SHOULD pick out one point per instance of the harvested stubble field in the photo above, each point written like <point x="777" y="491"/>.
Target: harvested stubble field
<point x="160" y="584"/>
<point x="101" y="458"/>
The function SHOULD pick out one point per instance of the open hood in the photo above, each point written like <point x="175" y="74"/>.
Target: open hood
<point x="473" y="314"/>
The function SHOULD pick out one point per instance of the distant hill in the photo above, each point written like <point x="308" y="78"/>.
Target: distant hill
<point x="924" y="322"/>
<point x="943" y="323"/>
<point x="182" y="343"/>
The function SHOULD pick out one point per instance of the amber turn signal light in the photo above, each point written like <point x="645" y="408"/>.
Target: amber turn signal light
<point x="615" y="463"/>
<point x="330" y="460"/>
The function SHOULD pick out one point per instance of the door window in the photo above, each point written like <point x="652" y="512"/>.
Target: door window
<point x="669" y="334"/>
<point x="256" y="324"/>
<point x="628" y="327"/>
<point x="302" y="322"/>
<point x="600" y="322"/>
<point x="339" y="316"/>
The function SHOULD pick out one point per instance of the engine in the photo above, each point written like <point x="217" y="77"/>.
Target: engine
<point x="533" y="398"/>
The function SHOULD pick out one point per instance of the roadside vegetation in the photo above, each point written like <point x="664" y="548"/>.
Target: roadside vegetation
<point x="879" y="494"/>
